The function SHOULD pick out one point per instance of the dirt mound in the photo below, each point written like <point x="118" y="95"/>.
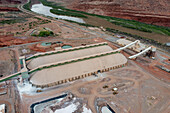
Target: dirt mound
<point x="8" y="40"/>
<point x="149" y="11"/>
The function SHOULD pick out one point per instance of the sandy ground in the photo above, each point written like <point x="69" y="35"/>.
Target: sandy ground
<point x="19" y="33"/>
<point x="136" y="81"/>
<point x="66" y="56"/>
<point x="151" y="12"/>
<point x="67" y="71"/>
<point x="110" y="11"/>
<point x="131" y="81"/>
<point x="101" y="22"/>
<point x="11" y="98"/>
<point x="7" y="59"/>
<point x="141" y="88"/>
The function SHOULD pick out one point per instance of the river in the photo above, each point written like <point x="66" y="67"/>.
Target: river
<point x="45" y="10"/>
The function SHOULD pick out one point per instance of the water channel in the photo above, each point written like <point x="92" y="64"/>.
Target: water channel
<point x="45" y="10"/>
<point x="38" y="107"/>
<point x="66" y="47"/>
<point x="107" y="109"/>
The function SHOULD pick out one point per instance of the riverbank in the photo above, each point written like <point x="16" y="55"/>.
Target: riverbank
<point x="158" y="33"/>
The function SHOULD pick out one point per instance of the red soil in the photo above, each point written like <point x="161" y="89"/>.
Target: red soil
<point x="151" y="12"/>
<point x="8" y="40"/>
<point x="158" y="73"/>
<point x="162" y="21"/>
<point x="9" y="9"/>
<point x="11" y="1"/>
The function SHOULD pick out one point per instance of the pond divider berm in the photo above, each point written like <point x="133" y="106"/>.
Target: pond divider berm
<point x="44" y="101"/>
<point x="66" y="62"/>
<point x="110" y="109"/>
<point x="65" y="50"/>
<point x="73" y="61"/>
<point x="10" y="76"/>
<point x="51" y="53"/>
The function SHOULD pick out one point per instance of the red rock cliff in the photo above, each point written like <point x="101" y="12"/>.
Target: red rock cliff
<point x="149" y="11"/>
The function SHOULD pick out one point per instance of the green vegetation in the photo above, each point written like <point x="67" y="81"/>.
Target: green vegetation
<point x="41" y="21"/>
<point x="17" y="74"/>
<point x="1" y="14"/>
<point x="67" y="13"/>
<point x="82" y="24"/>
<point x="127" y="25"/>
<point x="60" y="10"/>
<point x="146" y="40"/>
<point x="44" y="34"/>
<point x="37" y="18"/>
<point x="148" y="28"/>
<point x="51" y="4"/>
<point x="17" y="33"/>
<point x="132" y="24"/>
<point x="30" y="25"/>
<point x="44" y="22"/>
<point x="12" y="21"/>
<point x="141" y="26"/>
<point x="27" y="6"/>
<point x="124" y="33"/>
<point x="58" y="6"/>
<point x="105" y="86"/>
<point x="117" y="21"/>
<point x="128" y="34"/>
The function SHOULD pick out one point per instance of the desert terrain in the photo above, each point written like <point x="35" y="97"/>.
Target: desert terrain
<point x="152" y="12"/>
<point x="140" y="86"/>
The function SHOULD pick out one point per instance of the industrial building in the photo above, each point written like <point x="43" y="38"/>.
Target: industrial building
<point x="138" y="47"/>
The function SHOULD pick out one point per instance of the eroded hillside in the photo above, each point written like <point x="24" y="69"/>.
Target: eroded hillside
<point x="12" y="1"/>
<point x="150" y="11"/>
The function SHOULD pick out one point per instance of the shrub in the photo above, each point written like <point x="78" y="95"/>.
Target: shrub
<point x="37" y="18"/>
<point x="12" y="21"/>
<point x="27" y="6"/>
<point x="68" y="13"/>
<point x="132" y="24"/>
<point x="82" y="24"/>
<point x="45" y="33"/>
